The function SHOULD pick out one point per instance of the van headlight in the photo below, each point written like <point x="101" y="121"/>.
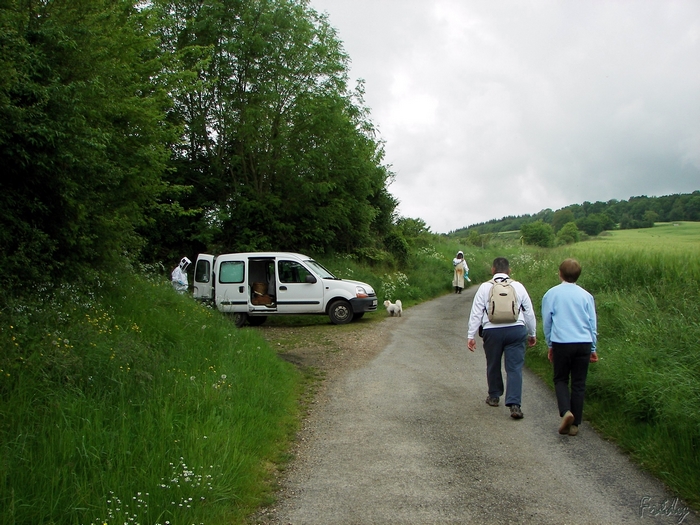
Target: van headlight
<point x="360" y="292"/>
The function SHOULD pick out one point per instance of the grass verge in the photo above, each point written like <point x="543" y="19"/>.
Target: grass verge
<point x="136" y="405"/>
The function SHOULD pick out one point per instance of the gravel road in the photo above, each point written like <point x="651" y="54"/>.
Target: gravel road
<point x="406" y="438"/>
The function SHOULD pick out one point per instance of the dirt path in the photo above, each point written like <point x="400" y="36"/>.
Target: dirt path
<point x="403" y="436"/>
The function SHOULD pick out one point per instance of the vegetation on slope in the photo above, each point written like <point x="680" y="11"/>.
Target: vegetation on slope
<point x="134" y="404"/>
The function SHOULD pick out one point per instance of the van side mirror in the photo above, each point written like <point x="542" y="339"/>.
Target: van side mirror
<point x="310" y="278"/>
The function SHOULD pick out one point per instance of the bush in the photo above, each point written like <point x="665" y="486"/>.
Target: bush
<point x="568" y="234"/>
<point x="538" y="233"/>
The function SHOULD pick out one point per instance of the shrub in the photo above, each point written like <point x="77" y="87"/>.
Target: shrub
<point x="538" y="233"/>
<point x="568" y="234"/>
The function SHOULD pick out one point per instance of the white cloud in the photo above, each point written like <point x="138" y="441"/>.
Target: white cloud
<point x="558" y="102"/>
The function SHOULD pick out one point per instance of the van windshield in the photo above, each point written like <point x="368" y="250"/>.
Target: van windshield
<point x="320" y="270"/>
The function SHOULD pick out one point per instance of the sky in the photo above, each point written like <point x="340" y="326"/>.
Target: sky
<point x="493" y="108"/>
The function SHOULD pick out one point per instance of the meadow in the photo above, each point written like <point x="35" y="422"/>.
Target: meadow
<point x="125" y="402"/>
<point x="644" y="393"/>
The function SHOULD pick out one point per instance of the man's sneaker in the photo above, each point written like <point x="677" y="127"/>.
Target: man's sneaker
<point x="573" y="430"/>
<point x="492" y="401"/>
<point x="566" y="421"/>
<point x="515" y="412"/>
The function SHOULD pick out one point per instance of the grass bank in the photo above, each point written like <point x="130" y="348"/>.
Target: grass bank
<point x="136" y="405"/>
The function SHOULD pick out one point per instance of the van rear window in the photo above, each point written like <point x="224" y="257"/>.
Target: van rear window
<point x="231" y="272"/>
<point x="202" y="272"/>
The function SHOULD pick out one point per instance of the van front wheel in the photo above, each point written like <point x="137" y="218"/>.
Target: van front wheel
<point x="340" y="312"/>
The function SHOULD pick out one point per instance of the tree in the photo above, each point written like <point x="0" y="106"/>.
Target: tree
<point x="276" y="147"/>
<point x="538" y="233"/>
<point x="595" y="223"/>
<point x="562" y="217"/>
<point x="413" y="230"/>
<point x="568" y="234"/>
<point x="650" y="217"/>
<point x="692" y="208"/>
<point x="82" y="135"/>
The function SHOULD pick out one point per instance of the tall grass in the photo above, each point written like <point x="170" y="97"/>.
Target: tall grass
<point x="645" y="391"/>
<point x="136" y="405"/>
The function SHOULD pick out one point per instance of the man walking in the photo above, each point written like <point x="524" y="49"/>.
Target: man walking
<point x="505" y="333"/>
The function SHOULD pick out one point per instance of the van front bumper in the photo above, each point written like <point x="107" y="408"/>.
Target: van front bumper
<point x="364" y="304"/>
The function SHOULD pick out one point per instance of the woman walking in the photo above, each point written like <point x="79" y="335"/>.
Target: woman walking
<point x="461" y="272"/>
<point x="569" y="323"/>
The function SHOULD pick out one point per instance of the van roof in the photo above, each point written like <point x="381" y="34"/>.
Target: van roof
<point x="265" y="254"/>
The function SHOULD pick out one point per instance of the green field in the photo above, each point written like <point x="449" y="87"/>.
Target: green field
<point x="664" y="236"/>
<point x="645" y="391"/>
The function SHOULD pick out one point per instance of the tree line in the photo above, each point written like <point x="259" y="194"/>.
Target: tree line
<point x="138" y="130"/>
<point x="593" y="218"/>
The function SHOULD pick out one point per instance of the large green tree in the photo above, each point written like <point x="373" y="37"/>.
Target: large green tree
<point x="82" y="140"/>
<point x="279" y="152"/>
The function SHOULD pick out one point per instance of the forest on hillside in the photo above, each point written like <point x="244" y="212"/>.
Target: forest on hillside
<point x="595" y="217"/>
<point x="142" y="131"/>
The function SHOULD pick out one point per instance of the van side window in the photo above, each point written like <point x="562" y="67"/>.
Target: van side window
<point x="292" y="272"/>
<point x="202" y="272"/>
<point x="231" y="272"/>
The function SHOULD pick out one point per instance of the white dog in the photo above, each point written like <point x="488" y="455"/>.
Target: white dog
<point x="394" y="309"/>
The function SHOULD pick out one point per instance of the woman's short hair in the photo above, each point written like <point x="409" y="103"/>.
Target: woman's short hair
<point x="570" y="270"/>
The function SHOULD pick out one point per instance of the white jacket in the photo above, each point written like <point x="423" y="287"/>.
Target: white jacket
<point x="478" y="316"/>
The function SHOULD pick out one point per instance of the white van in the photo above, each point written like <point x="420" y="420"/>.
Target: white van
<point x="253" y="286"/>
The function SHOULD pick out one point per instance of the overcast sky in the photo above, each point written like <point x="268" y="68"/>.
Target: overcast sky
<point x="493" y="108"/>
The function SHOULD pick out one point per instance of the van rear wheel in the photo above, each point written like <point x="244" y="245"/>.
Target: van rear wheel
<point x="340" y="312"/>
<point x="239" y="319"/>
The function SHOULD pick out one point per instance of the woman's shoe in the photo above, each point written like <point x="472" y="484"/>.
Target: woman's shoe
<point x="566" y="422"/>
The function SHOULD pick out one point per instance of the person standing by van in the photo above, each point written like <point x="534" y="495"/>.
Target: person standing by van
<point x="570" y="324"/>
<point x="178" y="277"/>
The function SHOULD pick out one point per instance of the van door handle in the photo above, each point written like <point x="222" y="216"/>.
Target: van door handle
<point x="283" y="288"/>
<point x="240" y="289"/>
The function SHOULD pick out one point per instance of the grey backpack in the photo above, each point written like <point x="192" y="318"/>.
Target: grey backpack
<point x="503" y="306"/>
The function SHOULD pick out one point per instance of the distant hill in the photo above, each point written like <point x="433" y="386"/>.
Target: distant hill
<point x="594" y="217"/>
